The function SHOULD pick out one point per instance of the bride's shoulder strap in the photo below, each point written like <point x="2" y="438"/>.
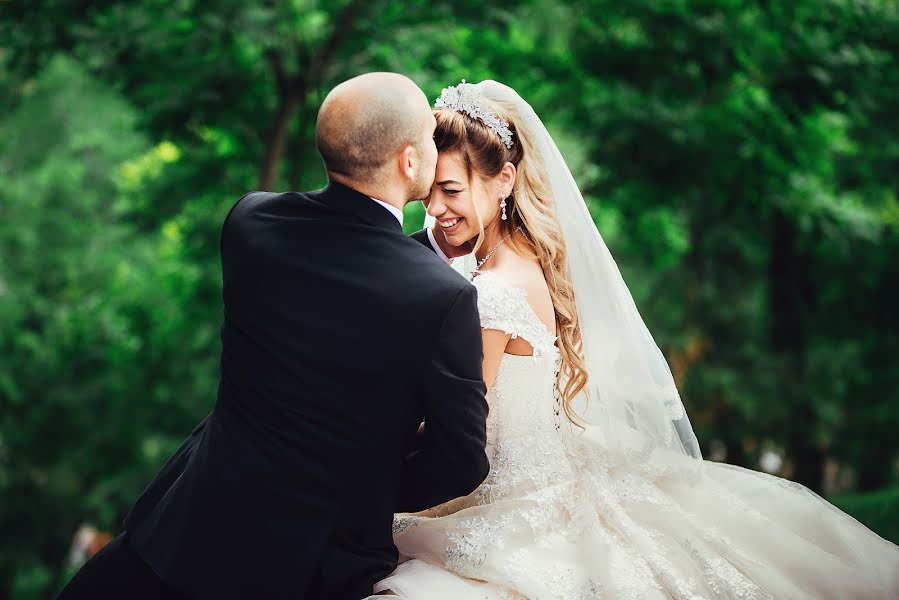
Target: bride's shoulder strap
<point x="504" y="307"/>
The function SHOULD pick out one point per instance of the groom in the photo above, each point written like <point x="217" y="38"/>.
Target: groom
<point x="340" y="333"/>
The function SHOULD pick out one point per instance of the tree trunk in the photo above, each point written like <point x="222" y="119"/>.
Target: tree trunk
<point x="731" y="428"/>
<point x="787" y="291"/>
<point x="277" y="139"/>
<point x="292" y="89"/>
<point x="875" y="474"/>
<point x="298" y="150"/>
<point x="727" y="420"/>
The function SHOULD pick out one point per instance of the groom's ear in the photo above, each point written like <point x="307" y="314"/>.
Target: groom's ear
<point x="408" y="160"/>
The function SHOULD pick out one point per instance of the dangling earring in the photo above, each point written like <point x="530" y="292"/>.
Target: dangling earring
<point x="502" y="205"/>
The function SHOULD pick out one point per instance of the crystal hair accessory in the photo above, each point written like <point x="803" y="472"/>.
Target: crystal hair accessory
<point x="466" y="98"/>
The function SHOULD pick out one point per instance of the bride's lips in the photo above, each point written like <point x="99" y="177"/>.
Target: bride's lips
<point x="456" y="225"/>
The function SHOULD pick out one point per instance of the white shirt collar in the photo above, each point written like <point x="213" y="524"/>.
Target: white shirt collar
<point x="437" y="248"/>
<point x="397" y="213"/>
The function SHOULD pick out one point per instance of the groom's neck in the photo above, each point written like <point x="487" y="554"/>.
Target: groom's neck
<point x="390" y="194"/>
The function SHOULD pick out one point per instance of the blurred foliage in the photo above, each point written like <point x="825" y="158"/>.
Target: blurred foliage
<point x="740" y="158"/>
<point x="876" y="510"/>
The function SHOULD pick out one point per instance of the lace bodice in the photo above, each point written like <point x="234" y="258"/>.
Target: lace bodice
<point x="523" y="441"/>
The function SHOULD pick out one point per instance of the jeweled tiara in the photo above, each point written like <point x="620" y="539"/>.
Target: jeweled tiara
<point x="466" y="98"/>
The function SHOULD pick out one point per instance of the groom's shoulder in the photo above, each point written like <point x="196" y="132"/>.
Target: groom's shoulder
<point x="252" y="202"/>
<point x="255" y="209"/>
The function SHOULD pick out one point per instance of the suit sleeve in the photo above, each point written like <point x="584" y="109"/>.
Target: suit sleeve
<point x="166" y="477"/>
<point x="452" y="461"/>
<point x="236" y="212"/>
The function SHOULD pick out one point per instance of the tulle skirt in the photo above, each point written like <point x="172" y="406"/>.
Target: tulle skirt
<point x="673" y="527"/>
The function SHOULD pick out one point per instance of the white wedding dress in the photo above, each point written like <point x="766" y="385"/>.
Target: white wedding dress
<point x="560" y="517"/>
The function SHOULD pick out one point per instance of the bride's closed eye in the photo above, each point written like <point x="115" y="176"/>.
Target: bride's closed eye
<point x="451" y="192"/>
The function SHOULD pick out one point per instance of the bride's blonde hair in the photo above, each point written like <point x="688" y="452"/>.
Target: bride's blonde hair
<point x="529" y="207"/>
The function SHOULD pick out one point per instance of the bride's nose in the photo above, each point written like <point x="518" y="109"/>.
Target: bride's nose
<point x="434" y="206"/>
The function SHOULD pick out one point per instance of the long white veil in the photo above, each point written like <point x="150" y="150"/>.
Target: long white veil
<point x="631" y="402"/>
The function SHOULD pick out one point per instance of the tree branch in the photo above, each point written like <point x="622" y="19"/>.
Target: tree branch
<point x="292" y="89"/>
<point x="276" y="62"/>
<point x="343" y="27"/>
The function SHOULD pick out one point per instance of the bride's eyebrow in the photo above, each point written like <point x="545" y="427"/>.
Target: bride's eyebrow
<point x="446" y="181"/>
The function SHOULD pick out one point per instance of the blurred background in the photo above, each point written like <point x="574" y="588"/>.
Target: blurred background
<point x="741" y="158"/>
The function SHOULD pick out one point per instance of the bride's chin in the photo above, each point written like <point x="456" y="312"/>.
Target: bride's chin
<point x="463" y="240"/>
<point x="455" y="239"/>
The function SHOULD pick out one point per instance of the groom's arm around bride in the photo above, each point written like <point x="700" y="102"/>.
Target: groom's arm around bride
<point x="452" y="393"/>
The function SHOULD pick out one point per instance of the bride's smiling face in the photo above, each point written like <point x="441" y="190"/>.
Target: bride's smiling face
<point x="458" y="202"/>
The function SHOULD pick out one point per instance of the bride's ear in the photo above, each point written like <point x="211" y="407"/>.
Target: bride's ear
<point x="507" y="179"/>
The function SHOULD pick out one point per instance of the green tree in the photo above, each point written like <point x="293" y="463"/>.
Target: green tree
<point x="740" y="158"/>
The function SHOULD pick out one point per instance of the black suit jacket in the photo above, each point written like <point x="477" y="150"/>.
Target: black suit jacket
<point x="340" y="333"/>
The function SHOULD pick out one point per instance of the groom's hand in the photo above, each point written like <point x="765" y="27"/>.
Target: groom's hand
<point x="448" y="249"/>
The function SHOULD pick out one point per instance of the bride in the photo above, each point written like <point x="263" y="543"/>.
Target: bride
<point x="597" y="488"/>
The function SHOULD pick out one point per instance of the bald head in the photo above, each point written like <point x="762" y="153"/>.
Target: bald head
<point x="364" y="122"/>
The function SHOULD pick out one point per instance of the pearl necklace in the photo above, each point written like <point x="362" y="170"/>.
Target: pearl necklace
<point x="477" y="269"/>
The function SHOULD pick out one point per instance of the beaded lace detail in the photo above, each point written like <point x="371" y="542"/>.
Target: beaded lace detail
<point x="505" y="307"/>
